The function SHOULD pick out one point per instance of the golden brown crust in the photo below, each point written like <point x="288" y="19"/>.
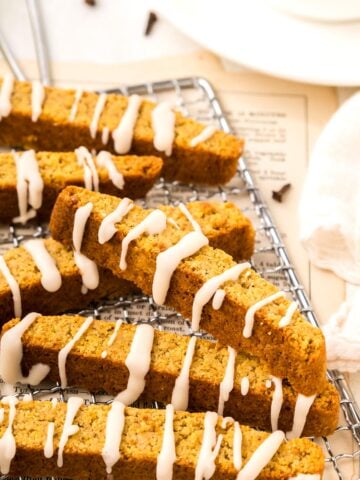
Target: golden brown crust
<point x="212" y="162"/>
<point x="296" y="352"/>
<point x="140" y="445"/>
<point x="59" y="170"/>
<point x="224" y="224"/>
<point x="87" y="369"/>
<point x="68" y="297"/>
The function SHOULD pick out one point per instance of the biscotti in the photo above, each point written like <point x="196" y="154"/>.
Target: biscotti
<point x="26" y="291"/>
<point x="48" y="118"/>
<point x="128" y="176"/>
<point x="250" y="313"/>
<point x="91" y="442"/>
<point x="193" y="374"/>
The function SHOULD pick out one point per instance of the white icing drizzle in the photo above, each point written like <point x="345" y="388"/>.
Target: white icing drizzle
<point x="111" y="340"/>
<point x="227" y="383"/>
<point x="250" y="314"/>
<point x="244" y="386"/>
<point x="237" y="441"/>
<point x="262" y="456"/>
<point x="237" y="446"/>
<point x="138" y="363"/>
<point x="227" y="420"/>
<point x="284" y="322"/>
<point x="163" y="124"/>
<point x="218" y="299"/>
<point x="29" y="185"/>
<point x="153" y="224"/>
<point x="185" y="211"/>
<point x="172" y="222"/>
<point x="107" y="227"/>
<point x="204" y="135"/>
<point x="72" y="407"/>
<point x="168" y="261"/>
<point x="268" y="383"/>
<point x="302" y="407"/>
<point x="210" y="447"/>
<point x="37" y="99"/>
<point x="99" y="107"/>
<point x="74" y="108"/>
<point x="7" y="87"/>
<point x="180" y="393"/>
<point x="27" y="398"/>
<point x="276" y="402"/>
<point x="88" y="269"/>
<point x="105" y="160"/>
<point x="306" y="476"/>
<point x="7" y="441"/>
<point x="11" y="353"/>
<point x="204" y="294"/>
<point x="123" y="134"/>
<point x="13" y="285"/>
<point x="105" y="135"/>
<point x="50" y="275"/>
<point x="167" y="456"/>
<point x="64" y="352"/>
<point x="89" y="272"/>
<point x="49" y="442"/>
<point x="115" y="422"/>
<point x="91" y="177"/>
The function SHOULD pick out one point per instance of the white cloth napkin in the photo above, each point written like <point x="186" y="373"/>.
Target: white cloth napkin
<point x="330" y="225"/>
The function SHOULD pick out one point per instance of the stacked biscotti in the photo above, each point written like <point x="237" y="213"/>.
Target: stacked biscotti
<point x="224" y="225"/>
<point x="296" y="352"/>
<point x="267" y="369"/>
<point x="53" y="119"/>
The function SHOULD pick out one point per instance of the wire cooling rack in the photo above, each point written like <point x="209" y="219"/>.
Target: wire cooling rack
<point x="196" y="97"/>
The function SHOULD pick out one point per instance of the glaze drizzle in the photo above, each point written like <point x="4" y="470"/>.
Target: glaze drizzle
<point x="7" y="87"/>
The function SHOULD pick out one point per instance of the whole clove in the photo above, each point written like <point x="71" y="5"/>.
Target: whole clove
<point x="278" y="195"/>
<point x="152" y="19"/>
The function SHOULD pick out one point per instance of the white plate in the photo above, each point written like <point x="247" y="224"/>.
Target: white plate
<point x="322" y="10"/>
<point x="254" y="34"/>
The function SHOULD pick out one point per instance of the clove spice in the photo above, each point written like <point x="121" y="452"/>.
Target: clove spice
<point x="152" y="19"/>
<point x="278" y="195"/>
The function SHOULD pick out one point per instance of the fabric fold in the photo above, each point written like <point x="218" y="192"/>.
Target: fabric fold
<point x="330" y="226"/>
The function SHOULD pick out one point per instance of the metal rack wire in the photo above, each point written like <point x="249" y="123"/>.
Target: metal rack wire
<point x="196" y="97"/>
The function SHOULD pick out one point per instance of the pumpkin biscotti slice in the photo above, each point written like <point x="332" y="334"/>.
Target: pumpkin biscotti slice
<point x="54" y="119"/>
<point x="72" y="440"/>
<point x="247" y="312"/>
<point x="57" y="287"/>
<point x="44" y="275"/>
<point x="190" y="373"/>
<point x="37" y="178"/>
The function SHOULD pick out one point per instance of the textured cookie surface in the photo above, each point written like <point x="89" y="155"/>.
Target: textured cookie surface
<point x="213" y="161"/>
<point x="86" y="368"/>
<point x="59" y="170"/>
<point x="140" y="445"/>
<point x="296" y="352"/>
